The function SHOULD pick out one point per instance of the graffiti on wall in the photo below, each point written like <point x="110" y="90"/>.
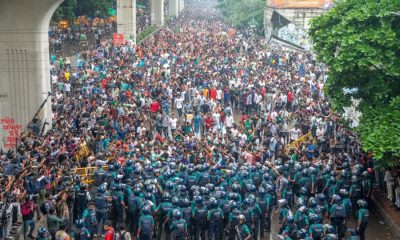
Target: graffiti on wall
<point x="12" y="131"/>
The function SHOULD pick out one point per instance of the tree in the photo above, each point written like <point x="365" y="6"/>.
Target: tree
<point x="240" y="13"/>
<point x="70" y="9"/>
<point x="359" y="42"/>
<point x="94" y="7"/>
<point x="66" y="10"/>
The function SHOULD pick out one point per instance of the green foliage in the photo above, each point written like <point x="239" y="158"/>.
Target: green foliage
<point x="93" y="7"/>
<point x="70" y="9"/>
<point x="359" y="40"/>
<point x="240" y="13"/>
<point x="380" y="130"/>
<point x="145" y="33"/>
<point x="66" y="10"/>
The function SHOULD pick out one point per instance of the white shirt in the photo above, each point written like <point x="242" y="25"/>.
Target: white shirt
<point x="173" y="123"/>
<point x="178" y="103"/>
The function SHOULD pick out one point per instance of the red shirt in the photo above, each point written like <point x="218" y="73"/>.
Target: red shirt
<point x="290" y="97"/>
<point x="213" y="93"/>
<point x="109" y="234"/>
<point x="154" y="107"/>
<point x="209" y="122"/>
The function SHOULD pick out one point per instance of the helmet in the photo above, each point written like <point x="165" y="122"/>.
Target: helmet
<point x="79" y="223"/>
<point x="177" y="214"/>
<point x="129" y="162"/>
<point x="102" y="188"/>
<point x="251" y="187"/>
<point x="117" y="165"/>
<point x="329" y="229"/>
<point x="146" y="209"/>
<point x="205" y="191"/>
<point x="303" y="190"/>
<point x="83" y="185"/>
<point x="213" y="202"/>
<point x="336" y="198"/>
<point x="181" y="188"/>
<point x="343" y="193"/>
<point x="137" y="191"/>
<point x="290" y="219"/>
<point x="185" y="202"/>
<point x="303" y="233"/>
<point x="352" y="231"/>
<point x="362" y="203"/>
<point x="303" y="209"/>
<point x="111" y="168"/>
<point x="148" y="196"/>
<point x="314" y="218"/>
<point x="170" y="185"/>
<point x="235" y="187"/>
<point x="304" y="173"/>
<point x="321" y="197"/>
<point x="43" y="232"/>
<point x="332" y="180"/>
<point x="354" y="179"/>
<point x="269" y="188"/>
<point x="242" y="217"/>
<point x="210" y="186"/>
<point x="312" y="202"/>
<point x="266" y="177"/>
<point x="262" y="191"/>
<point x="283" y="202"/>
<point x="198" y="199"/>
<point x="176" y="201"/>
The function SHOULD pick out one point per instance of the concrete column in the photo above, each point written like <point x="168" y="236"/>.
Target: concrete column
<point x="181" y="5"/>
<point x="126" y="19"/>
<point x="174" y="8"/>
<point x="24" y="63"/>
<point x="157" y="13"/>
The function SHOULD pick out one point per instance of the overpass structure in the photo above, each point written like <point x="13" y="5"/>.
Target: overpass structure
<point x="24" y="58"/>
<point x="280" y="13"/>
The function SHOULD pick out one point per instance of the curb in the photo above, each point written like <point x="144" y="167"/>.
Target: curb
<point x="390" y="222"/>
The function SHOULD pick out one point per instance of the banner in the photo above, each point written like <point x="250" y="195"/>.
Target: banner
<point x="118" y="39"/>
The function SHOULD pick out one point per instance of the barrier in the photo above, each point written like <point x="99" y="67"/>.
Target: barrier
<point x="301" y="140"/>
<point x="87" y="173"/>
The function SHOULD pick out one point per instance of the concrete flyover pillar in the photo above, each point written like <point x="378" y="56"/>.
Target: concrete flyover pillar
<point x="24" y="65"/>
<point x="126" y="19"/>
<point x="157" y="13"/>
<point x="174" y="8"/>
<point x="181" y="5"/>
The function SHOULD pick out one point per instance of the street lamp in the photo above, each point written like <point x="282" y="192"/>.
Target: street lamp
<point x="397" y="14"/>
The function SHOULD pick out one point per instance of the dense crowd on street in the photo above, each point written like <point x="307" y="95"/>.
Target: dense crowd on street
<point x="191" y="134"/>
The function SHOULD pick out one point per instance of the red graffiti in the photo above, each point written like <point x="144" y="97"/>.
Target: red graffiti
<point x="8" y="124"/>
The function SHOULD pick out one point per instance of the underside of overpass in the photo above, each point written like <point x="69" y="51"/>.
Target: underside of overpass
<point x="281" y="13"/>
<point x="24" y="58"/>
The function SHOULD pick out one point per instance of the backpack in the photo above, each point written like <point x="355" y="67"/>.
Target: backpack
<point x="42" y="208"/>
<point x="147" y="226"/>
<point x="122" y="235"/>
<point x="26" y="210"/>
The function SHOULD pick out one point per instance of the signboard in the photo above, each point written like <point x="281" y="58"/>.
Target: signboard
<point x="118" y="39"/>
<point x="299" y="3"/>
<point x="231" y="32"/>
<point x="8" y="125"/>
<point x="63" y="24"/>
<point x="112" y="12"/>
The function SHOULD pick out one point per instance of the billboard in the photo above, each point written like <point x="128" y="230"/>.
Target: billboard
<point x="299" y="3"/>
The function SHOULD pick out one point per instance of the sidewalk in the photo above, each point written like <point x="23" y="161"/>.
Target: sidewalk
<point x="388" y="212"/>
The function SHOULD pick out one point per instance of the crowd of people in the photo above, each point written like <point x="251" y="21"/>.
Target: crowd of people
<point x="194" y="134"/>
